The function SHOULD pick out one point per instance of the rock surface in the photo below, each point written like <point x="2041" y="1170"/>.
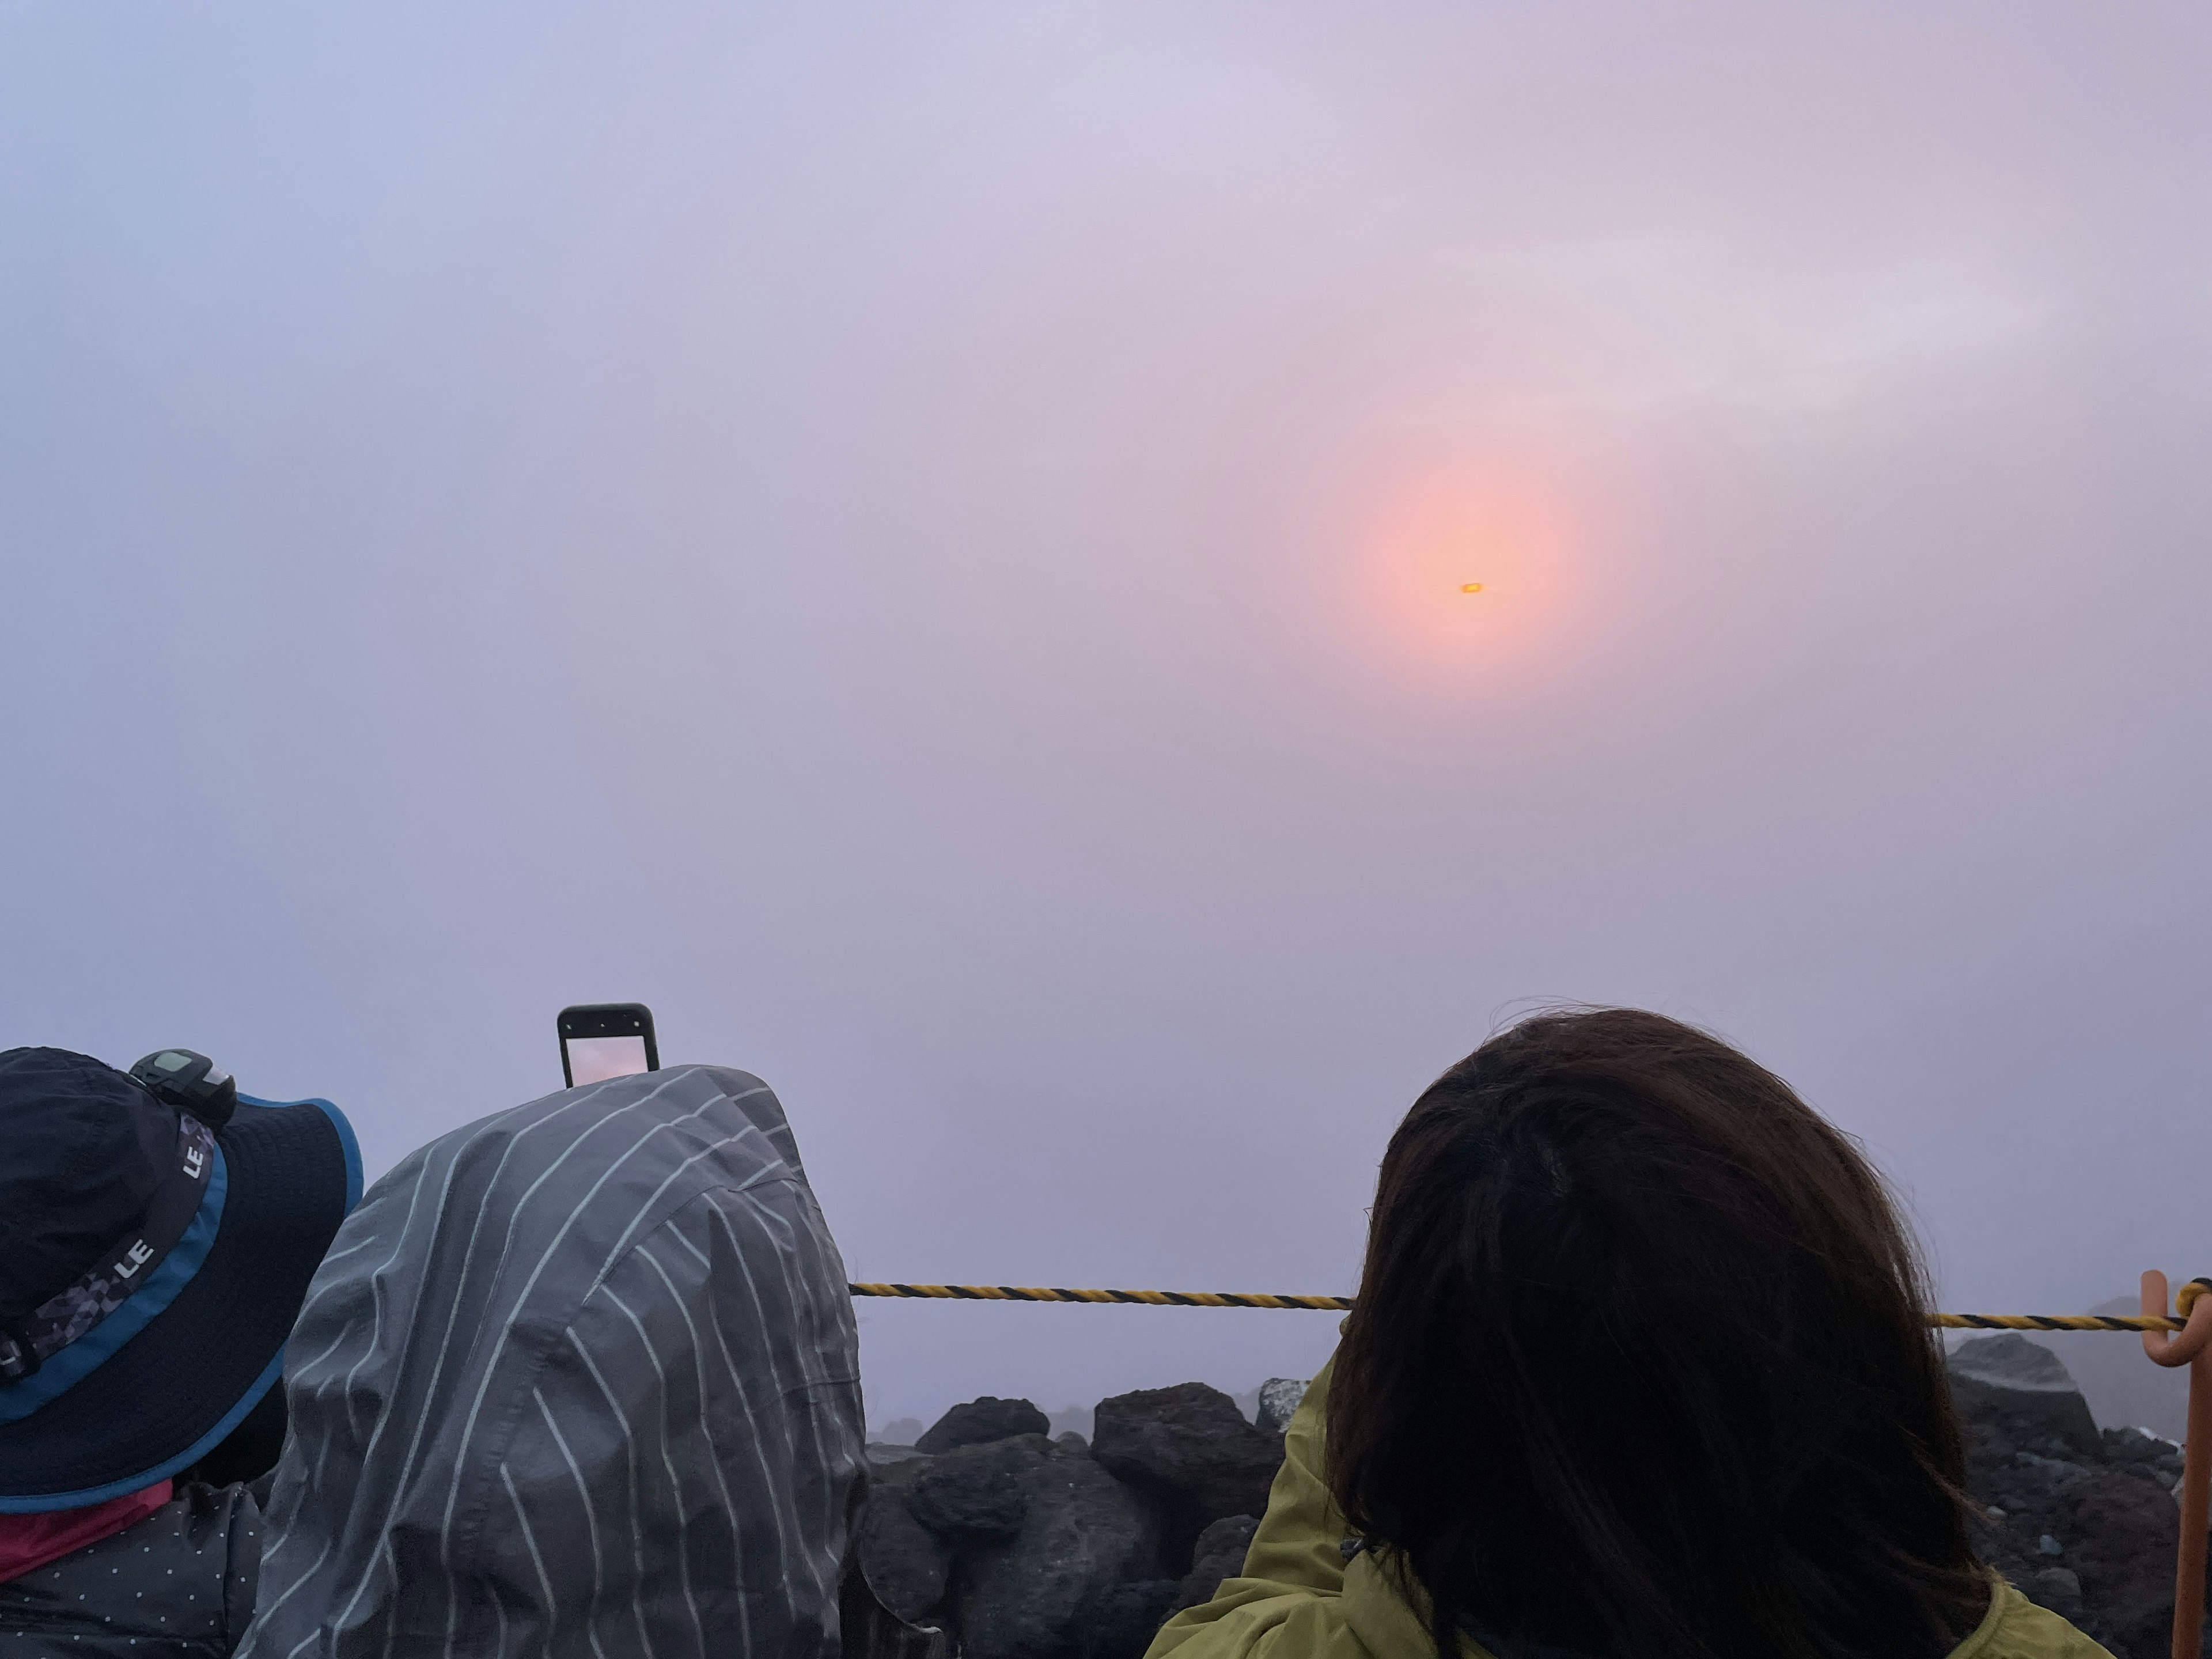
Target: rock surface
<point x="978" y="1491"/>
<point x="2121" y="1386"/>
<point x="903" y="1562"/>
<point x="1218" y="1554"/>
<point x="2083" y="1522"/>
<point x="1041" y="1593"/>
<point x="1124" y="1619"/>
<point x="979" y="1422"/>
<point x="1279" y="1397"/>
<point x="1014" y="1547"/>
<point x="1011" y="1545"/>
<point x="1191" y="1451"/>
<point x="2023" y="1391"/>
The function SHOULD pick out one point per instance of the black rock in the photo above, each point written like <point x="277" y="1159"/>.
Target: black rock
<point x="1031" y="1596"/>
<point x="977" y="1491"/>
<point x="2032" y="1455"/>
<point x="869" y="1630"/>
<point x="1120" y="1623"/>
<point x="2058" y="1589"/>
<point x="1192" y="1451"/>
<point x="905" y="1564"/>
<point x="884" y="1454"/>
<point x="2020" y="1389"/>
<point x="1218" y="1554"/>
<point x="982" y="1421"/>
<point x="1051" y="1557"/>
<point x="2120" y="1534"/>
<point x="2144" y="1454"/>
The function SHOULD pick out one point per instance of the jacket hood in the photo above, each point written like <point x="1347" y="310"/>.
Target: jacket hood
<point x="581" y="1377"/>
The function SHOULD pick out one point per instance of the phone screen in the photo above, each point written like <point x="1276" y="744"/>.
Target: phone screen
<point x="603" y="1040"/>
<point x="596" y="1058"/>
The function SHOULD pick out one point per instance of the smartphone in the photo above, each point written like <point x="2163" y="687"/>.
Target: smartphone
<point x="601" y="1040"/>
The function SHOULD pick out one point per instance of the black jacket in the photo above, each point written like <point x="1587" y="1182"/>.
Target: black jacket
<point x="178" y="1585"/>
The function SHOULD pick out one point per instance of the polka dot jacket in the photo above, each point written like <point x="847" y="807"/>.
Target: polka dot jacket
<point x="178" y="1585"/>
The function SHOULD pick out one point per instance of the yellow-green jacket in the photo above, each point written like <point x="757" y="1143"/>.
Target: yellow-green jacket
<point x="1299" y="1599"/>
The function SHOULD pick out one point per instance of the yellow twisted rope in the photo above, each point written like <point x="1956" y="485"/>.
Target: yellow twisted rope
<point x="1339" y="1304"/>
<point x="1156" y="1298"/>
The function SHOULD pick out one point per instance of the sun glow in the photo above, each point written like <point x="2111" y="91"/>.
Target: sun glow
<point x="1425" y="535"/>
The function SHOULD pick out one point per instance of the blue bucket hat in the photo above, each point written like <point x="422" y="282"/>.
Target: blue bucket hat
<point x="152" y="1261"/>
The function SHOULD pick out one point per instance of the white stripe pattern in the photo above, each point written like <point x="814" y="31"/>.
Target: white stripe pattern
<point x="518" y="1436"/>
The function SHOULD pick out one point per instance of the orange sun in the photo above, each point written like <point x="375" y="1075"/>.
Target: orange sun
<point x="1428" y="533"/>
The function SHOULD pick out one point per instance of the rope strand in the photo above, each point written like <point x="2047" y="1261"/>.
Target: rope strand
<point x="1340" y="1304"/>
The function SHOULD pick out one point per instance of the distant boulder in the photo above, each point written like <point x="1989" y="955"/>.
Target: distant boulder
<point x="1280" y="1399"/>
<point x="2009" y="1360"/>
<point x="1190" y="1450"/>
<point x="982" y="1421"/>
<point x="2019" y="1391"/>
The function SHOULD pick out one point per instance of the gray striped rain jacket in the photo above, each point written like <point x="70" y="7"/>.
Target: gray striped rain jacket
<point x="580" y="1379"/>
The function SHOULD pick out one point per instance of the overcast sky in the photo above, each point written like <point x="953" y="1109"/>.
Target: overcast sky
<point x="925" y="544"/>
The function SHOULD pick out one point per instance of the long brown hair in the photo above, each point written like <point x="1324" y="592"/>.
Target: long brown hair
<point x="1638" y="1365"/>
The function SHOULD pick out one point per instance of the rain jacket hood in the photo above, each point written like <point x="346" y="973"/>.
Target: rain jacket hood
<point x="579" y="1378"/>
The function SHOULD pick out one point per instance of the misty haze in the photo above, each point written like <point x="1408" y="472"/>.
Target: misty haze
<point x="1098" y="593"/>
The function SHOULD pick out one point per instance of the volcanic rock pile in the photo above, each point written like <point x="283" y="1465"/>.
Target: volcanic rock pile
<point x="2083" y="1520"/>
<point x="1010" y="1544"/>
<point x="989" y="1539"/>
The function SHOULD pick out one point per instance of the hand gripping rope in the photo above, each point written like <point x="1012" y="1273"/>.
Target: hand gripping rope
<point x="2181" y="1338"/>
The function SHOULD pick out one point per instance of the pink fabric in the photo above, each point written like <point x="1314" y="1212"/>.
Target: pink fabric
<point x="29" y="1541"/>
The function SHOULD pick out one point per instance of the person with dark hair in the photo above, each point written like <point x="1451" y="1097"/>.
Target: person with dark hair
<point x="158" y="1231"/>
<point x="1639" y="1369"/>
<point x="581" y="1378"/>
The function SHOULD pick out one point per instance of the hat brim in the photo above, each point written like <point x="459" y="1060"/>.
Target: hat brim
<point x="208" y="1346"/>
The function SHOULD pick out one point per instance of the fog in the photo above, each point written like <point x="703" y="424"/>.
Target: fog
<point x="927" y="545"/>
